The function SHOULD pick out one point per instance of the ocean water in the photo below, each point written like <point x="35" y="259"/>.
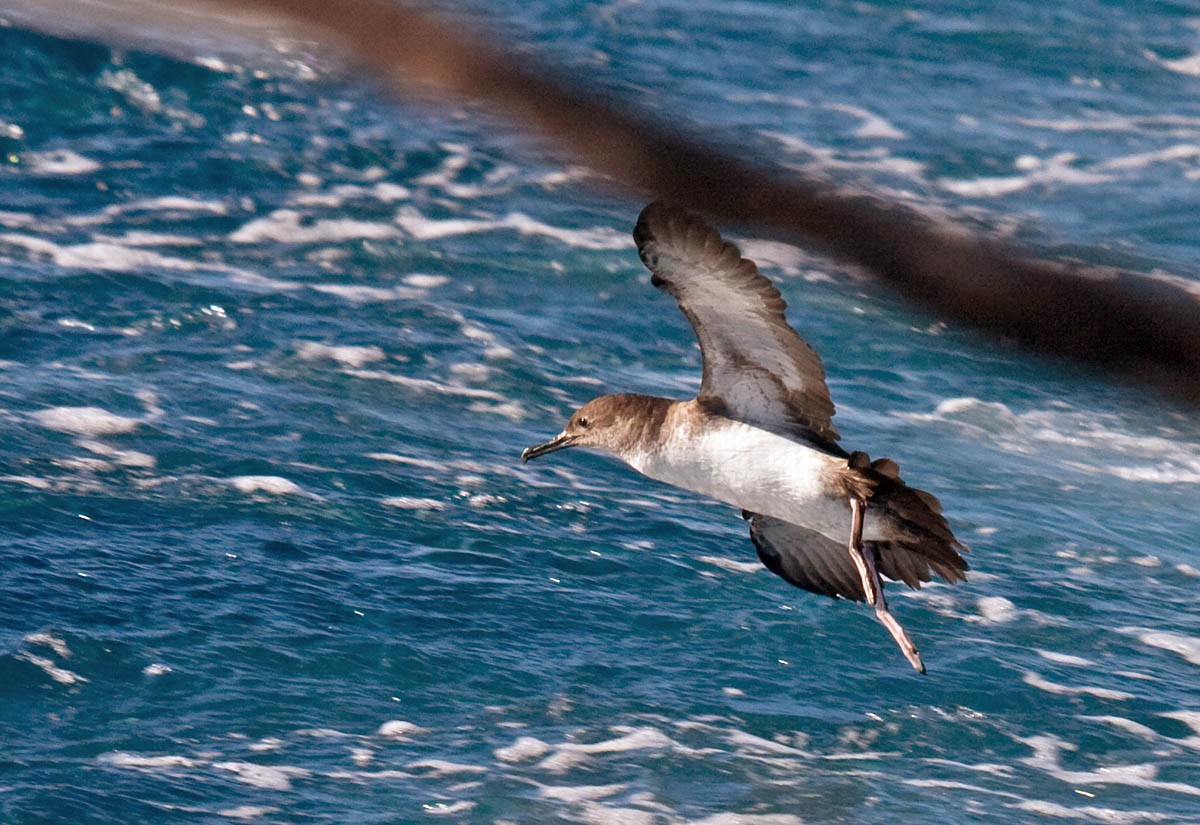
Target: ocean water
<point x="271" y="343"/>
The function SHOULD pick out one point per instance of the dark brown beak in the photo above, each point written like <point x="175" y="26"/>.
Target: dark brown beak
<point x="559" y="442"/>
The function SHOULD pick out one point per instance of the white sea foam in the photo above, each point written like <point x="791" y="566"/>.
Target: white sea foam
<point x="525" y="748"/>
<point x="56" y="644"/>
<point x="441" y="768"/>
<point x="381" y="191"/>
<point x="1186" y="646"/>
<point x="140" y="238"/>
<point x="462" y="806"/>
<point x="58" y="674"/>
<point x="275" y="485"/>
<point x="732" y="565"/>
<point x="1173" y="124"/>
<point x="35" y="482"/>
<point x="351" y="356"/>
<point x="411" y="503"/>
<point x="427" y="385"/>
<point x="422" y="228"/>
<point x="577" y="794"/>
<point x="84" y="421"/>
<point x="60" y="162"/>
<point x="17" y="220"/>
<point x="1090" y="813"/>
<point x="246" y="813"/>
<point x="1187" y="65"/>
<point x="399" y="729"/>
<point x="1047" y="757"/>
<point x="156" y="669"/>
<point x="1063" y="658"/>
<point x="569" y="755"/>
<point x="263" y="776"/>
<point x="1090" y="442"/>
<point x="123" y="458"/>
<point x="115" y="257"/>
<point x="1127" y="725"/>
<point x="167" y="206"/>
<point x="395" y="458"/>
<point x="1179" y="152"/>
<point x="291" y="226"/>
<point x="421" y="281"/>
<point x="1058" y="169"/>
<point x="122" y="759"/>
<point x="360" y="294"/>
<point x="1036" y="680"/>
<point x="747" y="819"/>
<point x="873" y="126"/>
<point x="997" y="610"/>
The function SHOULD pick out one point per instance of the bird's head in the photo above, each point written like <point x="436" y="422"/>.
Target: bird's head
<point x="612" y="423"/>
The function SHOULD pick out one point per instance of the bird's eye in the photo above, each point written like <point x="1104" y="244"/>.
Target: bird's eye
<point x="584" y="422"/>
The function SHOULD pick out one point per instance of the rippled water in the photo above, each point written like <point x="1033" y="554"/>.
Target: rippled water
<point x="270" y="345"/>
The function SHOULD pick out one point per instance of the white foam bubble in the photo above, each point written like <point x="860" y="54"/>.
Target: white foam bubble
<point x="58" y="674"/>
<point x="448" y="808"/>
<point x="275" y="485"/>
<point x="1036" y="680"/>
<point x="577" y="794"/>
<point x="84" y="421"/>
<point x="443" y="767"/>
<point x="1058" y="170"/>
<point x="168" y="204"/>
<point x="1047" y="757"/>
<point x="425" y="281"/>
<point x="56" y="644"/>
<point x="748" y="819"/>
<point x="411" y="503"/>
<point x="1090" y="813"/>
<point x="997" y="609"/>
<point x="247" y="812"/>
<point x="156" y="669"/>
<point x="524" y="748"/>
<point x="1086" y="441"/>
<point x="1063" y="658"/>
<point x="568" y="755"/>
<point x="60" y="162"/>
<point x="399" y="729"/>
<point x="351" y="356"/>
<point x="123" y="458"/>
<point x="1186" y="646"/>
<point x="1127" y="725"/>
<point x="422" y="228"/>
<point x="1188" y="65"/>
<point x="732" y="565"/>
<point x="873" y="126"/>
<point x="292" y="226"/>
<point x="123" y="759"/>
<point x="1169" y="154"/>
<point x="360" y="294"/>
<point x="427" y="385"/>
<point x="263" y="776"/>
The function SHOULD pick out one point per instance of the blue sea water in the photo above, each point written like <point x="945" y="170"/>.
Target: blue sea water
<point x="271" y="344"/>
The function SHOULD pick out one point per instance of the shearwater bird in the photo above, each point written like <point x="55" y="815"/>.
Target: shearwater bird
<point x="760" y="436"/>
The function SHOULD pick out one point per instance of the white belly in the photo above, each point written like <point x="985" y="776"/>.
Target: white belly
<point x="758" y="471"/>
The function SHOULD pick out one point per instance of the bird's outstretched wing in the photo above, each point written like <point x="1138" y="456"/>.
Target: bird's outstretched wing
<point x="813" y="561"/>
<point x="756" y="368"/>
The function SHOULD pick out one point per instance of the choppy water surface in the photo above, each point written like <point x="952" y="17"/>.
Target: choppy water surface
<point x="270" y="345"/>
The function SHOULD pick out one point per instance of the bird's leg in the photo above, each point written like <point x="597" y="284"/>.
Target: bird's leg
<point x="885" y="616"/>
<point x="857" y="507"/>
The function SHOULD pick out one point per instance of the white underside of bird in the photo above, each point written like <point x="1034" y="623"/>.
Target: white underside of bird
<point x="761" y="472"/>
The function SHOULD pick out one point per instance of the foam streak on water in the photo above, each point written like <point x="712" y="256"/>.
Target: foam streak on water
<point x="271" y="346"/>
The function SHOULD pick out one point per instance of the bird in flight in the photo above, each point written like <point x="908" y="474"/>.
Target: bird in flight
<point x="760" y="435"/>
